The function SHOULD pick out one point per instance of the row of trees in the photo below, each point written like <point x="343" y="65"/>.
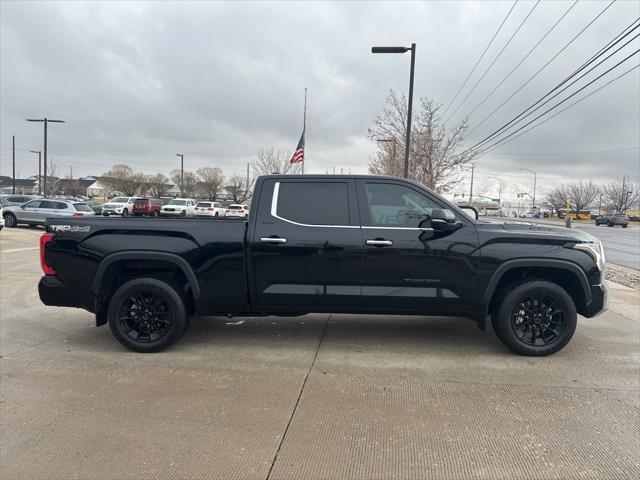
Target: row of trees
<point x="616" y="196"/>
<point x="205" y="182"/>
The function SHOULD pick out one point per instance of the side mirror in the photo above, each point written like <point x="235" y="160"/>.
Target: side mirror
<point x="443" y="219"/>
<point x="470" y="212"/>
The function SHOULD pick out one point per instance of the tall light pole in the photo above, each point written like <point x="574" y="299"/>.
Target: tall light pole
<point x="411" y="74"/>
<point x="535" y="179"/>
<point x="39" y="152"/>
<point x="46" y="121"/>
<point x="181" y="171"/>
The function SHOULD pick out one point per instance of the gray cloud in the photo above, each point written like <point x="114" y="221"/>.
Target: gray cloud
<point x="138" y="82"/>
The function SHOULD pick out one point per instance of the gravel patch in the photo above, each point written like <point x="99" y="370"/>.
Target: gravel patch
<point x="628" y="277"/>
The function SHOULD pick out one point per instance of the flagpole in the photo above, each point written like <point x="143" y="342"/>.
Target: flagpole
<point x="304" y="126"/>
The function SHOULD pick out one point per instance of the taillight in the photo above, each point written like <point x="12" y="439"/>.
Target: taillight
<point x="210" y="209"/>
<point x="77" y="214"/>
<point x="44" y="239"/>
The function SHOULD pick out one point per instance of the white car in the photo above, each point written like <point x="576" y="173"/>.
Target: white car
<point x="1" y="219"/>
<point x="209" y="209"/>
<point x="119" y="206"/>
<point x="236" y="210"/>
<point x="179" y="207"/>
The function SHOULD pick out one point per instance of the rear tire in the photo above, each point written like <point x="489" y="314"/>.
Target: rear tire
<point x="10" y="220"/>
<point x="147" y="315"/>
<point x="610" y="224"/>
<point x="535" y="318"/>
<point x="625" y="225"/>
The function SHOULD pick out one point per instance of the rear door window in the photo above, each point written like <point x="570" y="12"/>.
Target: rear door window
<point x="314" y="203"/>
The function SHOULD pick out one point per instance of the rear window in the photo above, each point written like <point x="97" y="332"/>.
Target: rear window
<point x="204" y="204"/>
<point x="142" y="201"/>
<point x="82" y="207"/>
<point x="234" y="207"/>
<point x="314" y="203"/>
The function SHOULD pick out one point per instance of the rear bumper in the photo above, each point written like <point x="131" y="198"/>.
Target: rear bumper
<point x="599" y="300"/>
<point x="54" y="293"/>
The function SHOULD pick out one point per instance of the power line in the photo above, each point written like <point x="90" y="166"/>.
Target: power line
<point x="494" y="61"/>
<point x="480" y="59"/>
<point x="543" y="67"/>
<point x="502" y="141"/>
<point x="528" y="112"/>
<point x="524" y="58"/>
<point x="556" y="154"/>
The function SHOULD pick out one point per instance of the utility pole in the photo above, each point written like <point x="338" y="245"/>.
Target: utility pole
<point x="247" y="192"/>
<point x="13" y="151"/>
<point x="535" y="180"/>
<point x="39" y="170"/>
<point x="473" y="167"/>
<point x="181" y="171"/>
<point x="46" y="121"/>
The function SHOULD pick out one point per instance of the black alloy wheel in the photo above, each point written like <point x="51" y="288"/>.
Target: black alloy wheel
<point x="147" y="314"/>
<point x="535" y="317"/>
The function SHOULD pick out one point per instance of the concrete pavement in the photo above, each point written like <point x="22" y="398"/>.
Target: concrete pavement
<point x="320" y="396"/>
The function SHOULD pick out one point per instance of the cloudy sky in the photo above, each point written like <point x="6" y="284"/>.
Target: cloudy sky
<point x="139" y="82"/>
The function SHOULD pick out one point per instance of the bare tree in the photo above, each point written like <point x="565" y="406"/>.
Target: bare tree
<point x="73" y="187"/>
<point x="158" y="185"/>
<point x="620" y="195"/>
<point x="436" y="157"/>
<point x="558" y="197"/>
<point x="186" y="182"/>
<point x="211" y="181"/>
<point x="239" y="188"/>
<point x="270" y="161"/>
<point x="121" y="178"/>
<point x="582" y="194"/>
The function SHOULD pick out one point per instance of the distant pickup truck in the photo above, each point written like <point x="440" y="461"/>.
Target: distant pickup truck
<point x="329" y="244"/>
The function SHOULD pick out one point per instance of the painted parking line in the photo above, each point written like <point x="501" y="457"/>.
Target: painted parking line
<point x="14" y="250"/>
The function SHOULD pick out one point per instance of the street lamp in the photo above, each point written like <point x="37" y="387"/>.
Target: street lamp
<point x="413" y="62"/>
<point x="46" y="121"/>
<point x="39" y="170"/>
<point x="535" y="179"/>
<point x="181" y="171"/>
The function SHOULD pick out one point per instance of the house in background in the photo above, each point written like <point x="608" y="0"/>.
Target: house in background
<point x="24" y="186"/>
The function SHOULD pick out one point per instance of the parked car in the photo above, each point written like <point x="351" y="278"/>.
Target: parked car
<point x="179" y="207"/>
<point x="37" y="211"/>
<point x="147" y="206"/>
<point x="95" y="206"/>
<point x="613" y="219"/>
<point x="236" y="210"/>
<point x="119" y="206"/>
<point x="332" y="244"/>
<point x="209" y="209"/>
<point x="8" y="200"/>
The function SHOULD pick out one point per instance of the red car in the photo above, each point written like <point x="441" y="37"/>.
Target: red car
<point x="147" y="206"/>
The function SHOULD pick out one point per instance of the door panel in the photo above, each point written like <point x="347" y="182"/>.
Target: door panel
<point x="408" y="266"/>
<point x="306" y="247"/>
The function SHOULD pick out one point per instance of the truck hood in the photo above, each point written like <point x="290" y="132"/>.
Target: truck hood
<point x="541" y="230"/>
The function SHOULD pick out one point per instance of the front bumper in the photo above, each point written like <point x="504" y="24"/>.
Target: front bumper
<point x="175" y="213"/>
<point x="112" y="211"/>
<point x="54" y="293"/>
<point x="599" y="300"/>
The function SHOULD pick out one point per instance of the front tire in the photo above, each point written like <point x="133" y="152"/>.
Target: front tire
<point x="536" y="318"/>
<point x="147" y="315"/>
<point x="10" y="220"/>
<point x="125" y="213"/>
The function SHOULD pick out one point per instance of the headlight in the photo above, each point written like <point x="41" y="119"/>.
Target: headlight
<point x="595" y="250"/>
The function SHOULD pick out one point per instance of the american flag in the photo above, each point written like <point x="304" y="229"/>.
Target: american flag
<point x="298" y="155"/>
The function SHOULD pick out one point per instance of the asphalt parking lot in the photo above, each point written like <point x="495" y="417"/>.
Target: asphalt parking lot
<point x="314" y="397"/>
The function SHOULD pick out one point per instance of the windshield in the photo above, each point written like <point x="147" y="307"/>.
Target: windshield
<point x="120" y="200"/>
<point x="177" y="202"/>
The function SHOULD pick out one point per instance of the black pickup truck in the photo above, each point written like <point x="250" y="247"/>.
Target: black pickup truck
<point x="322" y="243"/>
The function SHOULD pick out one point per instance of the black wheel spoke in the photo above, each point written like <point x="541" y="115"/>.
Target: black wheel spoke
<point x="537" y="321"/>
<point x="144" y="317"/>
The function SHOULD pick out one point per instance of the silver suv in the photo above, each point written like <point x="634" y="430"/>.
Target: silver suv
<point x="36" y="211"/>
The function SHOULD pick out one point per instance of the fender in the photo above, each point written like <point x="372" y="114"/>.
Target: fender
<point x="537" y="263"/>
<point x="180" y="262"/>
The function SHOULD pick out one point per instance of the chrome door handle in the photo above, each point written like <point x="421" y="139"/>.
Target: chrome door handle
<point x="379" y="243"/>
<point x="273" y="240"/>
